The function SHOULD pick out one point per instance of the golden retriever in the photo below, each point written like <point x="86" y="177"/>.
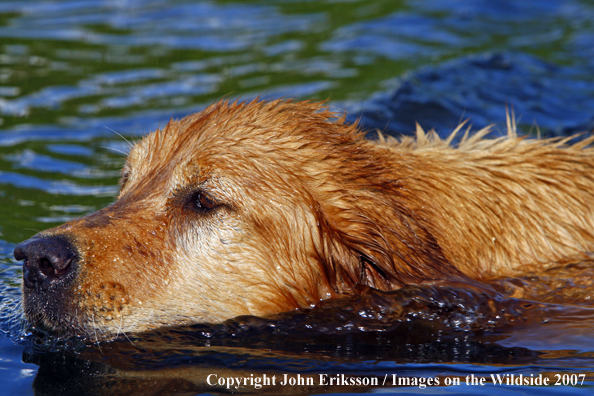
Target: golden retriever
<point x="264" y="207"/>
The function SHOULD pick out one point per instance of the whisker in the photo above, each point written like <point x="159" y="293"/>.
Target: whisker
<point x="115" y="149"/>
<point x="120" y="135"/>
<point x="95" y="331"/>
<point x="122" y="329"/>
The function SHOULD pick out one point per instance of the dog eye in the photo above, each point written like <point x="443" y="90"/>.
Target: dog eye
<point x="202" y="202"/>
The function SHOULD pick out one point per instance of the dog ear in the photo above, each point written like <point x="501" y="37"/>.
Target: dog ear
<point x="379" y="244"/>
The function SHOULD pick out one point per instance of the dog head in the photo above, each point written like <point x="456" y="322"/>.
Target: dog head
<point x="244" y="208"/>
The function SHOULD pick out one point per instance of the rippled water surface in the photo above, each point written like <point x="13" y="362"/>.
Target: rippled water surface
<point x="75" y="75"/>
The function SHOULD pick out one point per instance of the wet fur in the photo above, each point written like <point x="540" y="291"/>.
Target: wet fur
<point x="306" y="210"/>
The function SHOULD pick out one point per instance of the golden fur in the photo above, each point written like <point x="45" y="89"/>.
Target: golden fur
<point x="297" y="207"/>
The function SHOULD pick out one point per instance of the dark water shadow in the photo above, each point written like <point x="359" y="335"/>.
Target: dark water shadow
<point x="370" y="335"/>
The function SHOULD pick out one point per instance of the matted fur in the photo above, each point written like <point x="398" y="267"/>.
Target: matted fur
<point x="306" y="209"/>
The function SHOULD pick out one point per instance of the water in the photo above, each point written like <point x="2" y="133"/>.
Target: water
<point x="74" y="72"/>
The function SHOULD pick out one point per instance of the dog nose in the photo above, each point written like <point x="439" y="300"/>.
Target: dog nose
<point x="47" y="261"/>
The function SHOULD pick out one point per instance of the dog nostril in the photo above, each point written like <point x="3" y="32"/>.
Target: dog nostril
<point x="46" y="260"/>
<point x="48" y="268"/>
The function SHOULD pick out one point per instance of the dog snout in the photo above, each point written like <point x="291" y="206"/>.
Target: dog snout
<point x="47" y="261"/>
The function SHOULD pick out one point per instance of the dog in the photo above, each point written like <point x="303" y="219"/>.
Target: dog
<point x="263" y="207"/>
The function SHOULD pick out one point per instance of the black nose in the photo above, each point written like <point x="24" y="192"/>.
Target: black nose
<point x="48" y="261"/>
